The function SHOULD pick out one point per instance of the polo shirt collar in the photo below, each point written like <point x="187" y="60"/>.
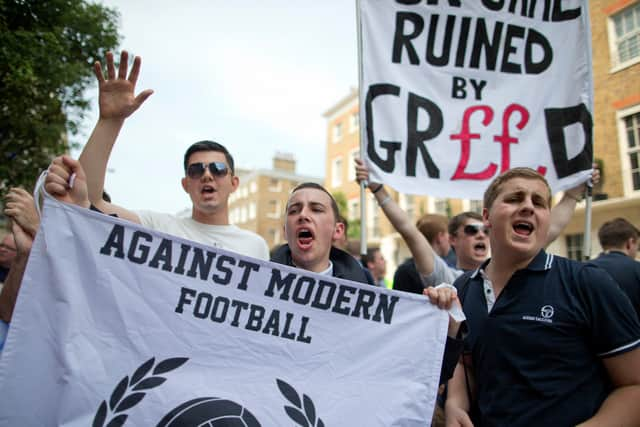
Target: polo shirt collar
<point x="541" y="262"/>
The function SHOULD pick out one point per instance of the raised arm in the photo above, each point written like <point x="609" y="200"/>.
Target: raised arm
<point x="562" y="212"/>
<point x="11" y="286"/>
<point x="117" y="101"/>
<point x="420" y="248"/>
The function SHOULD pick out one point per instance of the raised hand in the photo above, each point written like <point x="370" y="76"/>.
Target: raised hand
<point x="60" y="184"/>
<point x="21" y="208"/>
<point x="117" y="99"/>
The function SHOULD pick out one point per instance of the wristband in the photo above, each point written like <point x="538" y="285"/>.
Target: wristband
<point x="377" y="189"/>
<point x="385" y="201"/>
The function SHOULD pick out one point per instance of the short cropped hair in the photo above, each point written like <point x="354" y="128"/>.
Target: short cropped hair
<point x="460" y="219"/>
<point x="430" y="225"/>
<point x="615" y="233"/>
<point x="316" y="186"/>
<point x="494" y="188"/>
<point x="208" y="146"/>
<point x="370" y="255"/>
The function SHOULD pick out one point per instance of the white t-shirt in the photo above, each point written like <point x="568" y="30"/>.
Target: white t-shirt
<point x="441" y="273"/>
<point x="228" y="237"/>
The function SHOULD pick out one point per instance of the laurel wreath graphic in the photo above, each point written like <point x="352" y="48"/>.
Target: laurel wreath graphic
<point x="140" y="381"/>
<point x="295" y="412"/>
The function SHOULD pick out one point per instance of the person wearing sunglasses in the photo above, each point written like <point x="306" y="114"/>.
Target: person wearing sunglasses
<point x="209" y="170"/>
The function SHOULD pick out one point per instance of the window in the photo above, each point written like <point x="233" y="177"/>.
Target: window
<point x="353" y="209"/>
<point x="408" y="203"/>
<point x="632" y="134"/>
<point x="574" y="246"/>
<point x="252" y="210"/>
<point x="353" y="122"/>
<point x="625" y="32"/>
<point x="336" y="172"/>
<point x="275" y="185"/>
<point x="475" y="206"/>
<point x="253" y="186"/>
<point x="441" y="206"/>
<point x="274" y="209"/>
<point x="373" y="219"/>
<point x="274" y="235"/>
<point x="337" y="132"/>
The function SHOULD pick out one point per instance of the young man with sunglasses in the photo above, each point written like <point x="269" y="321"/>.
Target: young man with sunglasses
<point x="209" y="171"/>
<point x="551" y="341"/>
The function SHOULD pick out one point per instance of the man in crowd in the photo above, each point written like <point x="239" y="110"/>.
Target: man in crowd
<point x="551" y="341"/>
<point x="377" y="266"/>
<point x="310" y="229"/>
<point x="619" y="241"/>
<point x="466" y="233"/>
<point x="209" y="171"/>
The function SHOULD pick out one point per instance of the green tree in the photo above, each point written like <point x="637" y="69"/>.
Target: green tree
<point x="47" y="49"/>
<point x="341" y="201"/>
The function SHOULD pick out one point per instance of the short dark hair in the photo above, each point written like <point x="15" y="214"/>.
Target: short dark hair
<point x="208" y="146"/>
<point x="615" y="233"/>
<point x="370" y="255"/>
<point x="316" y="186"/>
<point x="459" y="219"/>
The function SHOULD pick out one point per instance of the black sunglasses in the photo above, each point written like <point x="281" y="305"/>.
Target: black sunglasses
<point x="472" y="229"/>
<point x="217" y="169"/>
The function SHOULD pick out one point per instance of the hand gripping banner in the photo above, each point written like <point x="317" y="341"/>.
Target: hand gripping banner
<point x="118" y="325"/>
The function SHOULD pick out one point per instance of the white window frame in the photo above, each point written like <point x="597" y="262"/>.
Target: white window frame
<point x="336" y="171"/>
<point x="616" y="65"/>
<point x="354" y="122"/>
<point x="275" y="212"/>
<point x="337" y="132"/>
<point x="623" y="145"/>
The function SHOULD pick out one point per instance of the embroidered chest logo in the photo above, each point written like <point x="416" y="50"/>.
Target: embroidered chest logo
<point x="546" y="314"/>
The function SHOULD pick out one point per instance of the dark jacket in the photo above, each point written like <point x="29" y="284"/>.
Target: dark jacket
<point x="344" y="265"/>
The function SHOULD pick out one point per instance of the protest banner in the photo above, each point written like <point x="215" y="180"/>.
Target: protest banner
<point x="452" y="93"/>
<point x="116" y="324"/>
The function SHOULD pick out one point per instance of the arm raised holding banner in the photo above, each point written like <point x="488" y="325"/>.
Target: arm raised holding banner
<point x="563" y="210"/>
<point x="117" y="102"/>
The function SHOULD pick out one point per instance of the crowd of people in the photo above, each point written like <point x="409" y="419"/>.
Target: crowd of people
<point x="546" y="340"/>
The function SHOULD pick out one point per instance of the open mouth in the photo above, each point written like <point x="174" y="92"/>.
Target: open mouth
<point x="305" y="238"/>
<point x="481" y="246"/>
<point x="523" y="228"/>
<point x="207" y="189"/>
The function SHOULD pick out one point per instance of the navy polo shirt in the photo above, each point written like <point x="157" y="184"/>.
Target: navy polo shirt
<point x="536" y="355"/>
<point x="625" y="271"/>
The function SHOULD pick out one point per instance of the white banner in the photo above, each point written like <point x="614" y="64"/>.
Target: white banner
<point x="455" y="92"/>
<point x="119" y="325"/>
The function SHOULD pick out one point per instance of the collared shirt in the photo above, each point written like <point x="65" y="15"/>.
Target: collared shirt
<point x="625" y="271"/>
<point x="536" y="353"/>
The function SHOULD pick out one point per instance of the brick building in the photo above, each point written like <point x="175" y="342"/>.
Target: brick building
<point x="615" y="26"/>
<point x="259" y="202"/>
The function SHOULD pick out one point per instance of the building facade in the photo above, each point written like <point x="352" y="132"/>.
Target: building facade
<point x="615" y="27"/>
<point x="343" y="146"/>
<point x="260" y="200"/>
<point x="615" y="30"/>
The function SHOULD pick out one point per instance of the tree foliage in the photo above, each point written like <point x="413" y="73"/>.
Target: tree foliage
<point x="47" y="49"/>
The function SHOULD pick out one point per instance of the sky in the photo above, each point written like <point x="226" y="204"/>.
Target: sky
<point x="254" y="75"/>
